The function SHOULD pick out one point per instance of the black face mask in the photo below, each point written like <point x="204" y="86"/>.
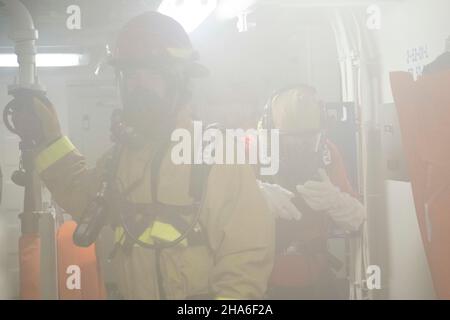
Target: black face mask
<point x="145" y="111"/>
<point x="149" y="113"/>
<point x="299" y="162"/>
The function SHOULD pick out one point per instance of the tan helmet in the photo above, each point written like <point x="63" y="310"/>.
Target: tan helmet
<point x="295" y="110"/>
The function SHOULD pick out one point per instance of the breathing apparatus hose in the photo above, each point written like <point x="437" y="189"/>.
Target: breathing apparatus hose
<point x="158" y="247"/>
<point x="179" y="86"/>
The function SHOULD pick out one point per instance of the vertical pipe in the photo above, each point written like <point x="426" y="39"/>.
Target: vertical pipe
<point x="24" y="35"/>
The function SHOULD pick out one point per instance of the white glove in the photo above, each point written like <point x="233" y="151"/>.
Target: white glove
<point x="279" y="201"/>
<point x="347" y="212"/>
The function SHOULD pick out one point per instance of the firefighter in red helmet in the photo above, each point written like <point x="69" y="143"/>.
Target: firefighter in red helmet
<point x="168" y="244"/>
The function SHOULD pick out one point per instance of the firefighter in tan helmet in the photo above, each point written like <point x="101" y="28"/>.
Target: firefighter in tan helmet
<point x="172" y="241"/>
<point x="309" y="196"/>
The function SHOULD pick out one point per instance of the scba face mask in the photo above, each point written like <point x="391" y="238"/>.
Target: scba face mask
<point x="300" y="158"/>
<point x="150" y="100"/>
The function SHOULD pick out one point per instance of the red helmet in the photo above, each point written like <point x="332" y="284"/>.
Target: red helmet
<point x="156" y="40"/>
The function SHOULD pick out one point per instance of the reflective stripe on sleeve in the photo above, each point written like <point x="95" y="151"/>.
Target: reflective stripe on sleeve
<point x="53" y="153"/>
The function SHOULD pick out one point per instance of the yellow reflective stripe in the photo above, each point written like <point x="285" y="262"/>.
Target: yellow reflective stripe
<point x="119" y="236"/>
<point x="146" y="236"/>
<point x="166" y="232"/>
<point x="159" y="230"/>
<point x="180" y="52"/>
<point x="53" y="153"/>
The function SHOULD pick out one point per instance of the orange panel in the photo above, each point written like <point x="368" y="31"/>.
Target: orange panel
<point x="423" y="108"/>
<point x="91" y="283"/>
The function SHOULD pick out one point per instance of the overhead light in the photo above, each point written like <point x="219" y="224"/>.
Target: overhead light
<point x="229" y="9"/>
<point x="189" y="13"/>
<point x="46" y="60"/>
